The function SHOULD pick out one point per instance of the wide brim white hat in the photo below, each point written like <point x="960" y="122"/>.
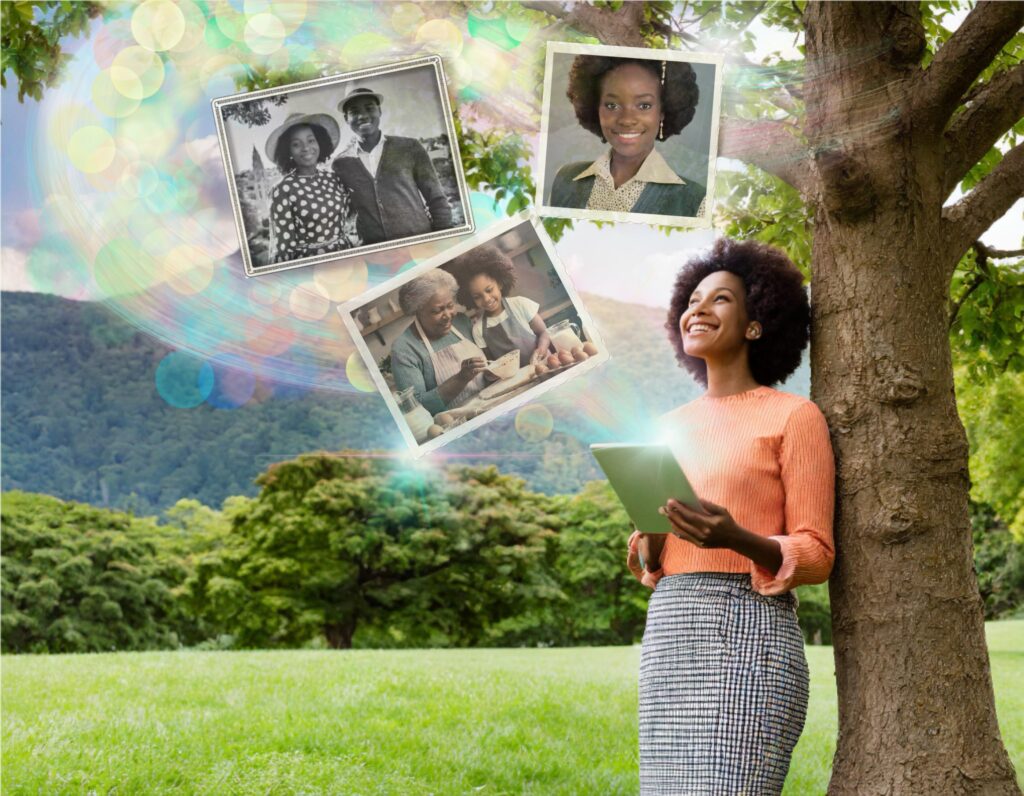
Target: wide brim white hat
<point x="324" y="120"/>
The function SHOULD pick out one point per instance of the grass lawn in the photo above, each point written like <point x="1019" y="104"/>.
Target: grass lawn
<point x="366" y="722"/>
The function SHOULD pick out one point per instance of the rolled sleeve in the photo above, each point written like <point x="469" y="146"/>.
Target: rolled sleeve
<point x="808" y="478"/>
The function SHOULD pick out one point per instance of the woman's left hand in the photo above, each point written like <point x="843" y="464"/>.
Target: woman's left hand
<point x="710" y="529"/>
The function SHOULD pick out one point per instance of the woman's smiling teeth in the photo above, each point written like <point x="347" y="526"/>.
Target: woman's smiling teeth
<point x="697" y="328"/>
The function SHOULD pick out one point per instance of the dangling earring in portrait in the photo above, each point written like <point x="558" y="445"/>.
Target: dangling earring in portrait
<point x="661" y="126"/>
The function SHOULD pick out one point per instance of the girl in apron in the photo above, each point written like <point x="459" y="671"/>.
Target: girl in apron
<point x="506" y="323"/>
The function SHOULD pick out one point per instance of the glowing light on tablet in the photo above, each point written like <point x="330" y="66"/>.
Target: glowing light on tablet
<point x="534" y="423"/>
<point x="183" y="380"/>
<point x="340" y="280"/>
<point x="357" y="374"/>
<point x="307" y="303"/>
<point x="440" y="36"/>
<point x="91" y="149"/>
<point x="158" y="25"/>
<point x="137" y="72"/>
<point x="233" y="382"/>
<point x="264" y="33"/>
<point x="110" y="100"/>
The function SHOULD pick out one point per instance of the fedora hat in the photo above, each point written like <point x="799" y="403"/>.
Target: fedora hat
<point x="319" y="119"/>
<point x="354" y="92"/>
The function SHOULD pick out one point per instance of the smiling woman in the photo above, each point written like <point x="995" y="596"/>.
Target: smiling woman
<point x="723" y="677"/>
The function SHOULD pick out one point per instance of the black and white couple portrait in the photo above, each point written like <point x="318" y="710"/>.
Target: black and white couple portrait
<point x="343" y="165"/>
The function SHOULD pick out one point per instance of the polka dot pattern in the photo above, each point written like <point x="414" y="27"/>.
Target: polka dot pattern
<point x="307" y="213"/>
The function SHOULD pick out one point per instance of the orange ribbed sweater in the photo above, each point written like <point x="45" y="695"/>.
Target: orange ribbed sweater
<point x="765" y="456"/>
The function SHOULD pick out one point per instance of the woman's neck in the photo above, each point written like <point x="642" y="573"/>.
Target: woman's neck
<point x="730" y="378"/>
<point x="305" y="171"/>
<point x="624" y="168"/>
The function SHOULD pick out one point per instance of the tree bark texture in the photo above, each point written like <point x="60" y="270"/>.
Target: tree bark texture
<point x="916" y="706"/>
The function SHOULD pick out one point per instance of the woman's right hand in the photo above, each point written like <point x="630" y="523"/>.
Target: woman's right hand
<point x="641" y="543"/>
<point x="472" y="367"/>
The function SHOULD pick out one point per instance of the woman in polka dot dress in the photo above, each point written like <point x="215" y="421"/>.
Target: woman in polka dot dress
<point x="309" y="206"/>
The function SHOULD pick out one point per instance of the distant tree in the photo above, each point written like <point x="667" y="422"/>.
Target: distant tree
<point x="82" y="579"/>
<point x="335" y="542"/>
<point x="253" y="113"/>
<point x="30" y="34"/>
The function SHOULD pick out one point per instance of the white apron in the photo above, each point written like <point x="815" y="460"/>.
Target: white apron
<point x="448" y="361"/>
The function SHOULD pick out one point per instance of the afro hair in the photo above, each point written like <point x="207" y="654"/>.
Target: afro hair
<point x="487" y="259"/>
<point x="776" y="299"/>
<point x="679" y="92"/>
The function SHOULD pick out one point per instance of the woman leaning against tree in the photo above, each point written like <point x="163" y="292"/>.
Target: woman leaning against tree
<point x="723" y="676"/>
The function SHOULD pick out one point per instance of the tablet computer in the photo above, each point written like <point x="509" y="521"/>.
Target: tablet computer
<point x="644" y="477"/>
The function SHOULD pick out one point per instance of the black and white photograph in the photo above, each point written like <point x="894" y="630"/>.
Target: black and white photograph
<point x="343" y="165"/>
<point x="477" y="331"/>
<point x="629" y="134"/>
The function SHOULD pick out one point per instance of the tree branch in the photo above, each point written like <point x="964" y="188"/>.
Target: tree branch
<point x="771" y="146"/>
<point x="981" y="258"/>
<point x="965" y="221"/>
<point x="962" y="58"/>
<point x="993" y="110"/>
<point x="1003" y="254"/>
<point x="620" y="27"/>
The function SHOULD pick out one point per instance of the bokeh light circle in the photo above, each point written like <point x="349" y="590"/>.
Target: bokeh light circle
<point x="233" y="382"/>
<point x="183" y="380"/>
<point x="137" y="72"/>
<point x="357" y="374"/>
<point x="264" y="33"/>
<point x="440" y="36"/>
<point x="340" y="280"/>
<point x="534" y="423"/>
<point x="406" y="18"/>
<point x="189" y="269"/>
<point x="109" y="100"/>
<point x="121" y="267"/>
<point x="91" y="149"/>
<point x="307" y="303"/>
<point x="158" y="25"/>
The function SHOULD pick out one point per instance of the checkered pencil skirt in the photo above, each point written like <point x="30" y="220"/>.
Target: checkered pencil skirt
<point x="723" y="688"/>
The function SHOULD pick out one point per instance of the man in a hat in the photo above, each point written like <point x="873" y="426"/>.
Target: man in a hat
<point x="394" y="187"/>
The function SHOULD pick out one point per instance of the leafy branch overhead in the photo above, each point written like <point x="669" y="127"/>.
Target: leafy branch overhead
<point x="30" y="41"/>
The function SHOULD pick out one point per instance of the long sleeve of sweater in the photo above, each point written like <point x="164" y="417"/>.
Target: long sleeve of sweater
<point x="765" y="456"/>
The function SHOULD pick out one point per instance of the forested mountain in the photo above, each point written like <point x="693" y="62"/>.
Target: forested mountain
<point x="82" y="420"/>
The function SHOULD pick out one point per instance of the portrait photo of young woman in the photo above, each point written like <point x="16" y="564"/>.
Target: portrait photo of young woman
<point x="629" y="135"/>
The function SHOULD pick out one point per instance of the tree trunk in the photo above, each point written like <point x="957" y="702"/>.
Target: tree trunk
<point x="916" y="707"/>
<point x="339" y="634"/>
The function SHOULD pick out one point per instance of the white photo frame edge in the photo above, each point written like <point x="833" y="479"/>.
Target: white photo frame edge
<point x="348" y="309"/>
<point x="699" y="222"/>
<point x="467" y="228"/>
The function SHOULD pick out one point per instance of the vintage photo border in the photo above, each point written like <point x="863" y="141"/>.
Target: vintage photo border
<point x="468" y="227"/>
<point x="717" y="60"/>
<point x="348" y="310"/>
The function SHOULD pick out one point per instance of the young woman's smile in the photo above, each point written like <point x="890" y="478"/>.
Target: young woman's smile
<point x="716" y="318"/>
<point x="304" y="149"/>
<point x="630" y="111"/>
